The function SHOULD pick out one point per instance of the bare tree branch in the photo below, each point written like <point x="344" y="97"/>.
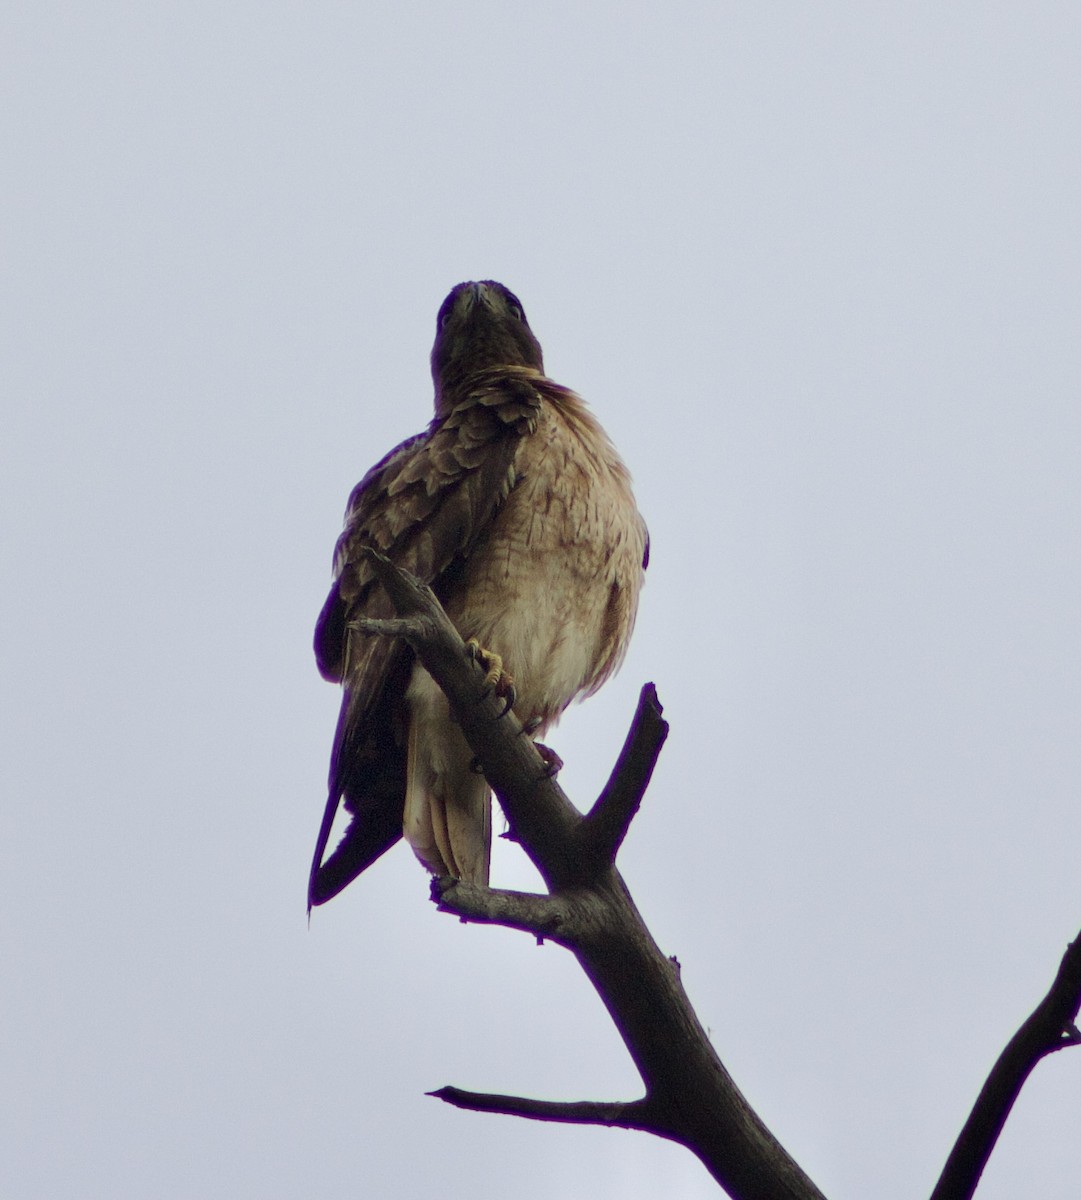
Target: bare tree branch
<point x="606" y="824"/>
<point x="543" y="916"/>
<point x="631" y="1114"/>
<point x="403" y="627"/>
<point x="1051" y="1027"/>
<point x="690" y="1097"/>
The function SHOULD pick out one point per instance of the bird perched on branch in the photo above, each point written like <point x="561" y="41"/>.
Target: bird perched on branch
<point x="516" y="509"/>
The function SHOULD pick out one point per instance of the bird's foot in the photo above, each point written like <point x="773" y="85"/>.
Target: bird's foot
<point x="441" y="884"/>
<point x="495" y="677"/>
<point x="552" y="762"/>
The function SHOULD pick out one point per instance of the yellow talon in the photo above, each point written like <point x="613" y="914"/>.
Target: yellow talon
<point x="492" y="663"/>
<point x="494" y="675"/>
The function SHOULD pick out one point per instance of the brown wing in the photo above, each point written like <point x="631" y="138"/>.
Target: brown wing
<point x="425" y="506"/>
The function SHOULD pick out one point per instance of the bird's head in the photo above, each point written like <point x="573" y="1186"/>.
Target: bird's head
<point x="480" y="326"/>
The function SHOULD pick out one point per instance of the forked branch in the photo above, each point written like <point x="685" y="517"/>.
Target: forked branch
<point x="689" y="1095"/>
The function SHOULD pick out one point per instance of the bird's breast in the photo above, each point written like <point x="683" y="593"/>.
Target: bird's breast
<point x="554" y="586"/>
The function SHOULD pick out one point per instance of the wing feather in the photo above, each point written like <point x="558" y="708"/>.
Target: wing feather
<point x="425" y="505"/>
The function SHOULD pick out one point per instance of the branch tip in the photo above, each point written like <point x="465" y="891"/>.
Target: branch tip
<point x="634" y="1114"/>
<point x="607" y="822"/>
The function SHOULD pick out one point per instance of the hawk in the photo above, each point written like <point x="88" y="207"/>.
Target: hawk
<point x="514" y="507"/>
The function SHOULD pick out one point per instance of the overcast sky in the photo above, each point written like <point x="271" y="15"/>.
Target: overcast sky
<point x="815" y="267"/>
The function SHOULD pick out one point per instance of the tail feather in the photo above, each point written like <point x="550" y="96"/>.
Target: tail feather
<point x="448" y="810"/>
<point x="375" y="827"/>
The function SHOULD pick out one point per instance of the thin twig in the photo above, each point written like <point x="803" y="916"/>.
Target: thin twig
<point x="632" y="1114"/>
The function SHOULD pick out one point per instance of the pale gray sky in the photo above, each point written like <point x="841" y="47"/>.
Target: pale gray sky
<point x="816" y="269"/>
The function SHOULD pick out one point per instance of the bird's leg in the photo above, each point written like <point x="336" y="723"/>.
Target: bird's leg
<point x="494" y="676"/>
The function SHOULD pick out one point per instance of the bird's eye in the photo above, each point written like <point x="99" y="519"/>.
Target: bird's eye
<point x="516" y="311"/>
